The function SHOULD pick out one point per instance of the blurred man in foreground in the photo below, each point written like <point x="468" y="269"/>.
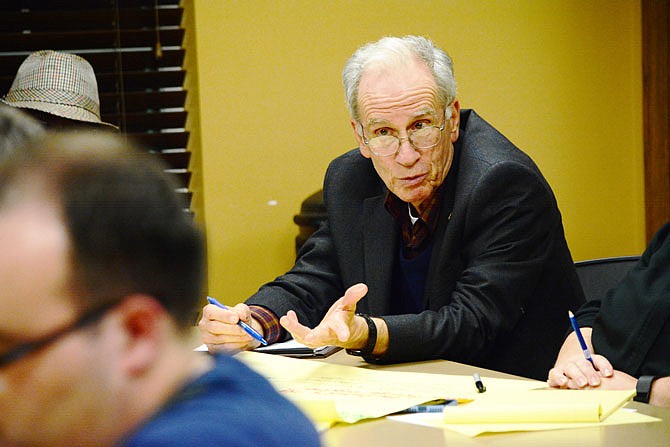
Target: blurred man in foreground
<point x="100" y="274"/>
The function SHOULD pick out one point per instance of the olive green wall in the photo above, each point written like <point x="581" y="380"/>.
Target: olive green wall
<point x="561" y="78"/>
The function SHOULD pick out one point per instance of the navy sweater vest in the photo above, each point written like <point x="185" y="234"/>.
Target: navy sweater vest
<point x="409" y="282"/>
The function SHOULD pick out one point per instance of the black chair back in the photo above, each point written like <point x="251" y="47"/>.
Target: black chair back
<point x="599" y="275"/>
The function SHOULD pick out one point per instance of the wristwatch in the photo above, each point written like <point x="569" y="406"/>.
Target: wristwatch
<point x="372" y="338"/>
<point x="643" y="388"/>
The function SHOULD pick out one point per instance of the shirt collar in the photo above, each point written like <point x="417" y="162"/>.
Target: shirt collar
<point x="399" y="208"/>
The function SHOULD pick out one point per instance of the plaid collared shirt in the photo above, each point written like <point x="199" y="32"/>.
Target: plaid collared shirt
<point x="417" y="236"/>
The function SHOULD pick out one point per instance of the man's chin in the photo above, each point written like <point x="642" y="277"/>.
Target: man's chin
<point x="414" y="196"/>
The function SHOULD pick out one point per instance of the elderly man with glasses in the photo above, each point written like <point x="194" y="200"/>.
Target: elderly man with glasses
<point x="443" y="240"/>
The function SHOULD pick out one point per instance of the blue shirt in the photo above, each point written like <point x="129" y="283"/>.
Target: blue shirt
<point x="230" y="405"/>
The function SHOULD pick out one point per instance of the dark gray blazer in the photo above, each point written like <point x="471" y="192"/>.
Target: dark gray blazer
<point x="501" y="278"/>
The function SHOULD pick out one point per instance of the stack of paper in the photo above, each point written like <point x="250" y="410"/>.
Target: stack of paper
<point x="331" y="393"/>
<point x="335" y="393"/>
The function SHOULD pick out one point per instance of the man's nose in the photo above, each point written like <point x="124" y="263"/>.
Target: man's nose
<point x="407" y="154"/>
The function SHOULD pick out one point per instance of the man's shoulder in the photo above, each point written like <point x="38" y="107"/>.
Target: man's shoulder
<point x="483" y="142"/>
<point x="230" y="404"/>
<point x="484" y="149"/>
<point x="352" y="175"/>
<point x="351" y="159"/>
<point x="661" y="240"/>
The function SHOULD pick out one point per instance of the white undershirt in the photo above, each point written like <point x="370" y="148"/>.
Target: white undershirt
<point x="411" y="218"/>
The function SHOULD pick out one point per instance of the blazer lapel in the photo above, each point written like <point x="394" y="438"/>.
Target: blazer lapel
<point x="380" y="245"/>
<point x="441" y="270"/>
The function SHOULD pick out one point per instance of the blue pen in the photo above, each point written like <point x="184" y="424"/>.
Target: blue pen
<point x="248" y="329"/>
<point x="585" y="349"/>
<point x="431" y="407"/>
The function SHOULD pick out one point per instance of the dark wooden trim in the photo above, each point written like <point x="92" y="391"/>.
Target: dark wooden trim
<point x="656" y="104"/>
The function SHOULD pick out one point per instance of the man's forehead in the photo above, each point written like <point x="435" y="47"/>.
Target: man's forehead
<point x="411" y="89"/>
<point x="33" y="265"/>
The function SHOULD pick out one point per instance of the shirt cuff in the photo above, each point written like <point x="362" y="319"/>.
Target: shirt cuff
<point x="269" y="322"/>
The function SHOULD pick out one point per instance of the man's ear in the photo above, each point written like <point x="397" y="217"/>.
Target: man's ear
<point x="358" y="134"/>
<point x="143" y="322"/>
<point x="455" y="120"/>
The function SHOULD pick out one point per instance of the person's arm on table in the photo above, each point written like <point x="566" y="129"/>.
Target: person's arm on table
<point x="573" y="371"/>
<point x="340" y="327"/>
<point x="310" y="285"/>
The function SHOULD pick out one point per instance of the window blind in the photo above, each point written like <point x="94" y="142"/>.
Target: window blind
<point x="135" y="48"/>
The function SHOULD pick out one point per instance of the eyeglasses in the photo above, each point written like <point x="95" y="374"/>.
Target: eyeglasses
<point x="423" y="138"/>
<point x="24" y="349"/>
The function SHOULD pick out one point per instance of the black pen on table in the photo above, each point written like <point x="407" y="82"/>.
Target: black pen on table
<point x="478" y="383"/>
<point x="582" y="343"/>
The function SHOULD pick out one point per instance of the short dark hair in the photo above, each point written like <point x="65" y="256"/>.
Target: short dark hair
<point x="129" y="230"/>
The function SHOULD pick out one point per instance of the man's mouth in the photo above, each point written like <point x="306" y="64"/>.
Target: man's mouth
<point x="413" y="179"/>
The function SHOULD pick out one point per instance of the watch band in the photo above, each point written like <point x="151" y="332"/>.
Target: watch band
<point x="643" y="388"/>
<point x="372" y="339"/>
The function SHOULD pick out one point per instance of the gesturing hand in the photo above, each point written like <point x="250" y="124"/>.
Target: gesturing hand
<point x="339" y="326"/>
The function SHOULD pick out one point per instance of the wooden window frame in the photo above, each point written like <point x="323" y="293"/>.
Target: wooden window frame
<point x="656" y="104"/>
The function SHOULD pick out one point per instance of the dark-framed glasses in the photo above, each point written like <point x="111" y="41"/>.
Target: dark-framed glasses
<point x="24" y="349"/>
<point x="423" y="138"/>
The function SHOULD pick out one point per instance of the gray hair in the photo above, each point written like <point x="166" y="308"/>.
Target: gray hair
<point x="393" y="52"/>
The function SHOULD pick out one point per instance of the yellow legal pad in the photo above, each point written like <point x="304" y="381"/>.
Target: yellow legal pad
<point x="539" y="409"/>
<point x="538" y="405"/>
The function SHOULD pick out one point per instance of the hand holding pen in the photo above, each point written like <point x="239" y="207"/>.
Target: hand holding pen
<point x="582" y="343"/>
<point x="248" y="329"/>
<point x="569" y="371"/>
